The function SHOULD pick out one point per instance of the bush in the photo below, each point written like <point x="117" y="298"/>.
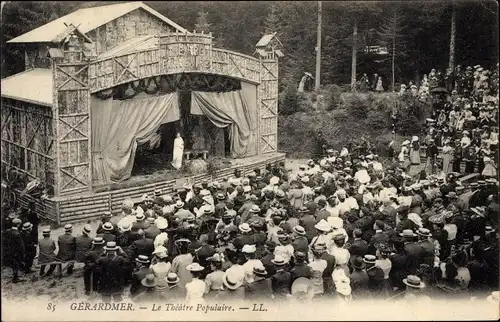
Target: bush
<point x="288" y="101"/>
<point x="378" y="120"/>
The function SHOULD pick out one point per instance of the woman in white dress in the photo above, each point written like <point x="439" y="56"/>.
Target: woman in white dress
<point x="195" y="290"/>
<point x="447" y="157"/>
<point x="403" y="156"/>
<point x="178" y="152"/>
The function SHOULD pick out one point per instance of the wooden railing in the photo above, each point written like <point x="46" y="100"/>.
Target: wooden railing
<point x="175" y="53"/>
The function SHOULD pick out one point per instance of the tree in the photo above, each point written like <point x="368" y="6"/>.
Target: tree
<point x="451" y="63"/>
<point x="392" y="35"/>
<point x="272" y="22"/>
<point x="202" y="22"/>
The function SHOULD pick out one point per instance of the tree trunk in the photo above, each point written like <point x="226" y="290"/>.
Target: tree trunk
<point x="393" y="59"/>
<point x="451" y="64"/>
<point x="354" y="56"/>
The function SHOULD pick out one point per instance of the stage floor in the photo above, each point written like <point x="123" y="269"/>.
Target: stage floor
<point x="169" y="174"/>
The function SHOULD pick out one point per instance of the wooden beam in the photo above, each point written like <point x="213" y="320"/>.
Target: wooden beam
<point x="29" y="149"/>
<point x="73" y="128"/>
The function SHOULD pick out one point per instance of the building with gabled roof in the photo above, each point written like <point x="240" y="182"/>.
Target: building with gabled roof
<point x="107" y="26"/>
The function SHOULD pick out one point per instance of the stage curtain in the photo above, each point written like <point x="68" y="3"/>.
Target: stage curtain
<point x="230" y="109"/>
<point x="118" y="126"/>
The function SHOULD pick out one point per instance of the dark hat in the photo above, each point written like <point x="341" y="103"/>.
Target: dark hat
<point x="357" y="262"/>
<point x="270" y="245"/>
<point x="300" y="256"/>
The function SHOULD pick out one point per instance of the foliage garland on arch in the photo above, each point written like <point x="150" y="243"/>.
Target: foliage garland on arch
<point x="171" y="83"/>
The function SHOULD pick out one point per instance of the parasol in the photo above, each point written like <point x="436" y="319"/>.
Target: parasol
<point x="439" y="90"/>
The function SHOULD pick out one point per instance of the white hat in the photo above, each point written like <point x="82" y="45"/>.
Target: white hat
<point x="274" y="181"/>
<point x="249" y="249"/>
<point x="244" y="228"/>
<point x="195" y="267"/>
<point x="162" y="224"/>
<point x="232" y="280"/>
<point x="304" y="179"/>
<point x="335" y="222"/>
<point x="160" y="251"/>
<point x="247" y="188"/>
<point x="414" y="138"/>
<point x="322" y="225"/>
<point x="405" y="142"/>
<point x="204" y="192"/>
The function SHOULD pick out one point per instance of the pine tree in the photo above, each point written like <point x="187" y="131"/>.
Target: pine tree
<point x="391" y="34"/>
<point x="272" y="22"/>
<point x="202" y="22"/>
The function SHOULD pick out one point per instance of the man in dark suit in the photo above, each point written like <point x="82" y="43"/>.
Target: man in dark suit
<point x="83" y="244"/>
<point x="111" y="272"/>
<point x="106" y="218"/>
<point x="413" y="250"/>
<point x="268" y="257"/>
<point x="29" y="246"/>
<point x="140" y="271"/>
<point x="307" y="221"/>
<point x="126" y="237"/>
<point x="375" y="275"/>
<point x="322" y="213"/>
<point x="152" y="231"/>
<point x="140" y="222"/>
<point x="300" y="243"/>
<point x="328" y="284"/>
<point x="379" y="237"/>
<point x="261" y="288"/>
<point x="245" y="237"/>
<point x="281" y="280"/>
<point x="300" y="269"/>
<point x="142" y="246"/>
<point x="358" y="247"/>
<point x="90" y="273"/>
<point x="107" y="232"/>
<point x="67" y="248"/>
<point x="14" y="250"/>
<point x="173" y="292"/>
<point x="32" y="217"/>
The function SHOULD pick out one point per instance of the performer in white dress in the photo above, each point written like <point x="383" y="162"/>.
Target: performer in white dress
<point x="178" y="152"/>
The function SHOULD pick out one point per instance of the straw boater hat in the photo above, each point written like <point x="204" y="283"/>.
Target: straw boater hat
<point x="195" y="267"/>
<point x="254" y="209"/>
<point x="86" y="229"/>
<point x="407" y="233"/>
<point x="140" y="216"/>
<point x="27" y="226"/>
<point x="278" y="260"/>
<point x="231" y="280"/>
<point x="149" y="281"/>
<point x="162" y="224"/>
<point x="259" y="269"/>
<point x="414" y="282"/>
<point x="46" y="232"/>
<point x="108" y="226"/>
<point x="369" y="259"/>
<point x="68" y="227"/>
<point x="111" y="246"/>
<point x="98" y="241"/>
<point x="245" y="228"/>
<point x="142" y="259"/>
<point x="424" y="232"/>
<point x="299" y="230"/>
<point x="172" y="278"/>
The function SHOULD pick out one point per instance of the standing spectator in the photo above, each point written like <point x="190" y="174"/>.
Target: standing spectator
<point x="432" y="153"/>
<point x="29" y="246"/>
<point x="447" y="157"/>
<point x="380" y="87"/>
<point x="111" y="272"/>
<point x="14" y="249"/>
<point x="415" y="151"/>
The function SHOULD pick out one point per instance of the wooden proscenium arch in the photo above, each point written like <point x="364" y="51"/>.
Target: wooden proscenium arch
<point x="76" y="77"/>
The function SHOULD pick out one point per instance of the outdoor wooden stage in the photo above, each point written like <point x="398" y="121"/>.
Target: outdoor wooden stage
<point x="90" y="206"/>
